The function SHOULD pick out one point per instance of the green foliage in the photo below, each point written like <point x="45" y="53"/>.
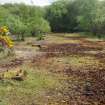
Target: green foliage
<point x="23" y="20"/>
<point x="61" y="16"/>
<point x="56" y="15"/>
<point x="77" y="15"/>
<point x="40" y="37"/>
<point x="37" y="26"/>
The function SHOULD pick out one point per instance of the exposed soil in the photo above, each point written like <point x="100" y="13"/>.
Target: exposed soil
<point x="82" y="83"/>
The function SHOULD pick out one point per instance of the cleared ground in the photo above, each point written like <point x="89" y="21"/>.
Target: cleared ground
<point x="68" y="70"/>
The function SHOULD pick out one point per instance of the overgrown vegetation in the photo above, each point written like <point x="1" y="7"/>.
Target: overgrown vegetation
<point x="23" y="20"/>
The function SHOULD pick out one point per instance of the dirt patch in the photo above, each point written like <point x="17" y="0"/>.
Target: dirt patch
<point x="67" y="49"/>
<point x="12" y="64"/>
<point x="89" y="87"/>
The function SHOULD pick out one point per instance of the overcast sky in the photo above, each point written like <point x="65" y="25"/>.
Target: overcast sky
<point x="34" y="2"/>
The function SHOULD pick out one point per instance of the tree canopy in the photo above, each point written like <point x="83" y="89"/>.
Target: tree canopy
<point x="60" y="16"/>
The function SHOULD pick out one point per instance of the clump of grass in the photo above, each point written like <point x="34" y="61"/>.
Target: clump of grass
<point x="13" y="74"/>
<point x="83" y="61"/>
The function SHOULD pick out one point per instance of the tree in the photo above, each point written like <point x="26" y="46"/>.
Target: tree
<point x="39" y="25"/>
<point x="56" y="15"/>
<point x="16" y="26"/>
<point x="24" y="19"/>
<point x="86" y="16"/>
<point x="4" y="13"/>
<point x="62" y="16"/>
<point x="99" y="21"/>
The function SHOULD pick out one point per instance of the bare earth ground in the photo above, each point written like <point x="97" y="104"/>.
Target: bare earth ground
<point x="68" y="70"/>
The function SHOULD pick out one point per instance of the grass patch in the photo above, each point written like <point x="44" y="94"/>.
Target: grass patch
<point x="82" y="61"/>
<point x="24" y="92"/>
<point x="72" y="35"/>
<point x="76" y="61"/>
<point x="60" y="40"/>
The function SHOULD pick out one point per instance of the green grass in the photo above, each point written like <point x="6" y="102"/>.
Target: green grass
<point x="14" y="92"/>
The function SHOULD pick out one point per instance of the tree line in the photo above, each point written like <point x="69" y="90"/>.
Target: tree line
<point x="24" y="20"/>
<point x="77" y="16"/>
<point x="60" y="16"/>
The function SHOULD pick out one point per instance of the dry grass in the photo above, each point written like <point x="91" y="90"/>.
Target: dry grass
<point x="59" y="40"/>
<point x="81" y="61"/>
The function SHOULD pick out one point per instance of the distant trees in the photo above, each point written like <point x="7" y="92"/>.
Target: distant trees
<point x="77" y="15"/>
<point x="56" y="16"/>
<point x="91" y="17"/>
<point x="23" y="20"/>
<point x="61" y="16"/>
<point x="99" y="21"/>
<point x="86" y="16"/>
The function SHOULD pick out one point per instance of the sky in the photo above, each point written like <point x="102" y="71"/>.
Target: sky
<point x="30" y="2"/>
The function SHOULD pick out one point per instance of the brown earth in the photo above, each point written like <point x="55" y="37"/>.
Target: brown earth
<point x="80" y="68"/>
